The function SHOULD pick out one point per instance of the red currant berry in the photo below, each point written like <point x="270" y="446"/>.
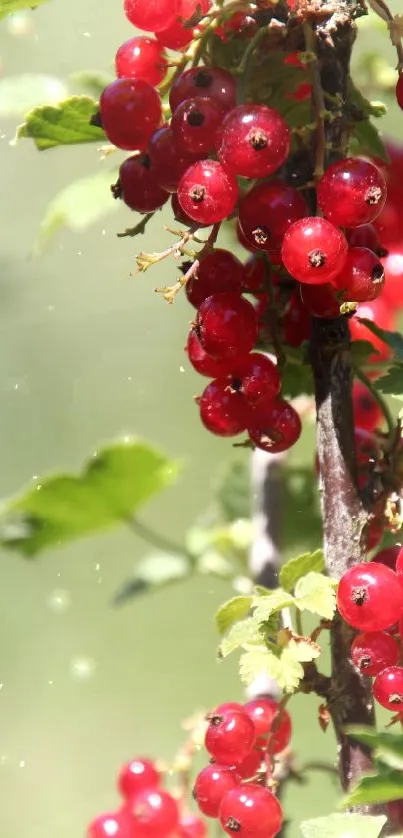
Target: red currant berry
<point x="395" y="812"/>
<point x="218" y="272"/>
<point x="222" y="410"/>
<point x="111" y="825"/>
<point x="369" y="597"/>
<point x="130" y="111"/>
<point x="141" y="58"/>
<point x="155" y="813"/>
<point x="320" y="300"/>
<point x="254" y="278"/>
<point x="212" y="783"/>
<point x="227" y="325"/>
<point x="168" y="162"/>
<point x="351" y="192"/>
<point x="362" y="277"/>
<point x="227" y="705"/>
<point x="177" y="36"/>
<point x="388" y="556"/>
<point x="374" y="534"/>
<point x="137" y="185"/>
<point x="263" y="712"/>
<point x="399" y="562"/>
<point x="218" y="84"/>
<point x="179" y="214"/>
<point x="297" y="323"/>
<point x="379" y="313"/>
<point x="254" y="141"/>
<point x="249" y="767"/>
<point x="399" y="91"/>
<point x="372" y="651"/>
<point x="204" y="364"/>
<point x="191" y="826"/>
<point x="314" y="250"/>
<point x="230" y="737"/>
<point x="136" y="775"/>
<point x="251" y="811"/>
<point x="242" y="238"/>
<point x="275" y="426"/>
<point x="388" y="688"/>
<point x="256" y="377"/>
<point x="392" y="293"/>
<point x="267" y="211"/>
<point x="365" y="236"/>
<point x="194" y="124"/>
<point x="207" y="192"/>
<point x="367" y="412"/>
<point x="151" y="15"/>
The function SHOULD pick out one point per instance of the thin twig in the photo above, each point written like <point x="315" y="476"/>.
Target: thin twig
<point x="318" y="101"/>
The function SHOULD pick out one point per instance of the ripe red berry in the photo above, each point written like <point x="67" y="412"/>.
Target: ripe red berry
<point x="141" y="58"/>
<point x="314" y="250"/>
<point x="218" y="84"/>
<point x="191" y="826"/>
<point x="365" y="236"/>
<point x="379" y="313"/>
<point x="222" y="410"/>
<point x="168" y="162"/>
<point x="388" y="556"/>
<point x="372" y="651"/>
<point x="155" y="813"/>
<point x="321" y="300"/>
<point x="395" y="812"/>
<point x="254" y="278"/>
<point x="399" y="91"/>
<point x="218" y="271"/>
<point x="207" y="192"/>
<point x="230" y="737"/>
<point x="254" y="140"/>
<point x="136" y="775"/>
<point x="263" y="712"/>
<point x="393" y="290"/>
<point x="267" y="211"/>
<point x="111" y="825"/>
<point x="351" y="192"/>
<point x="211" y="784"/>
<point x="362" y="278"/>
<point x="151" y="15"/>
<point x="179" y="214"/>
<point x="367" y="412"/>
<point x="227" y="705"/>
<point x="369" y="597"/>
<point x="388" y="688"/>
<point x="195" y="123"/>
<point x="399" y="562"/>
<point x="130" y="111"/>
<point x="275" y="426"/>
<point x="203" y="363"/>
<point x="177" y="36"/>
<point x="251" y="811"/>
<point x="256" y="377"/>
<point x="249" y="767"/>
<point x="227" y="325"/>
<point x="137" y="185"/>
<point x="297" y="322"/>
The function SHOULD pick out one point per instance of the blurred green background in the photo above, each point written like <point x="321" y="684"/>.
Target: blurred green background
<point x="90" y="353"/>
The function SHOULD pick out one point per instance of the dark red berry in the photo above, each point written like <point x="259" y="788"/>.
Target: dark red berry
<point x="203" y="363"/>
<point x="111" y="825"/>
<point x="207" y="192"/>
<point x="254" y="277"/>
<point x="297" y="322"/>
<point x="194" y="124"/>
<point x="179" y="214"/>
<point x="130" y="111"/>
<point x="314" y="250"/>
<point x="321" y="300"/>
<point x="151" y="15"/>
<point x="136" y="775"/>
<point x="388" y="688"/>
<point x="254" y="140"/>
<point x="218" y="271"/>
<point x="399" y="91"/>
<point x="251" y="811"/>
<point x="275" y="426"/>
<point x="256" y="377"/>
<point x="177" y="35"/>
<point x="250" y="766"/>
<point x="214" y="82"/>
<point x="168" y="162"/>
<point x="367" y="411"/>
<point x="141" y="58"/>
<point x="395" y="810"/>
<point x="369" y="597"/>
<point x="362" y="277"/>
<point x="155" y="813"/>
<point x="222" y="410"/>
<point x="373" y="651"/>
<point x="351" y="192"/>
<point x="388" y="556"/>
<point x="267" y="211"/>
<point x="211" y="784"/>
<point x="365" y="236"/>
<point x="137" y="185"/>
<point x="191" y="826"/>
<point x="227" y="325"/>
<point x="230" y="737"/>
<point x="263" y="711"/>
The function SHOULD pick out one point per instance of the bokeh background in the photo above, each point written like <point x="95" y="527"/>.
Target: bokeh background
<point x="90" y="353"/>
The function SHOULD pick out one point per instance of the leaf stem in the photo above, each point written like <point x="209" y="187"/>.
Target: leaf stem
<point x="161" y="542"/>
<point x="379" y="399"/>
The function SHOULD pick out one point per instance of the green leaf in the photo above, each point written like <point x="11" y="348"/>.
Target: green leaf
<point x="386" y="785"/>
<point x="295" y="568"/>
<point x="316" y="593"/>
<point x="10" y="7"/>
<point x="65" y="124"/>
<point x="265" y="606"/>
<point x="77" y="206"/>
<point x="344" y="826"/>
<point x="232" y="490"/>
<point x="113" y="485"/>
<point x="285" y="669"/>
<point x="391" y="384"/>
<point x="387" y="746"/>
<point x="18" y="94"/>
<point x="93" y="81"/>
<point x="361" y="350"/>
<point x="240" y="634"/>
<point x="296" y="380"/>
<point x="303" y="649"/>
<point x="233" y="610"/>
<point x="154" y="571"/>
<point x="392" y="339"/>
<point x="213" y="563"/>
<point x="366" y="140"/>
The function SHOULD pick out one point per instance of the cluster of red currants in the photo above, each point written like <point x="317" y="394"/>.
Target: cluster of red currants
<point x="242" y="741"/>
<point x="370" y="598"/>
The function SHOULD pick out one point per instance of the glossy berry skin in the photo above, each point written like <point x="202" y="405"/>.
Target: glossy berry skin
<point x="251" y="811"/>
<point x="207" y="192"/>
<point x="256" y="377"/>
<point x="155" y="813"/>
<point x="267" y="211"/>
<point x="218" y="272"/>
<point x="399" y="91"/>
<point x="222" y="411"/>
<point x="194" y="125"/>
<point x="203" y="363"/>
<point x="153" y="15"/>
<point x="249" y="767"/>
<point x="137" y="185"/>
<point x="130" y="111"/>
<point x="362" y="277"/>
<point x="274" y="427"/>
<point x="367" y="412"/>
<point x="388" y="556"/>
<point x="227" y="705"/>
<point x="230" y="737"/>
<point x="254" y="275"/>
<point x="204" y="81"/>
<point x="254" y="141"/>
<point x="177" y="35"/>
<point x="369" y="597"/>
<point x="111" y="825"/>
<point x="178" y="213"/>
<point x="168" y="162"/>
<point x="227" y="326"/>
<point x="191" y="826"/>
<point x="212" y="783"/>
<point x="365" y="236"/>
<point x="136" y="775"/>
<point x="262" y="712"/>
<point x="373" y="651"/>
<point x="141" y="58"/>
<point x="321" y="300"/>
<point x="388" y="688"/>
<point x="314" y="250"/>
<point x="351" y="192"/>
